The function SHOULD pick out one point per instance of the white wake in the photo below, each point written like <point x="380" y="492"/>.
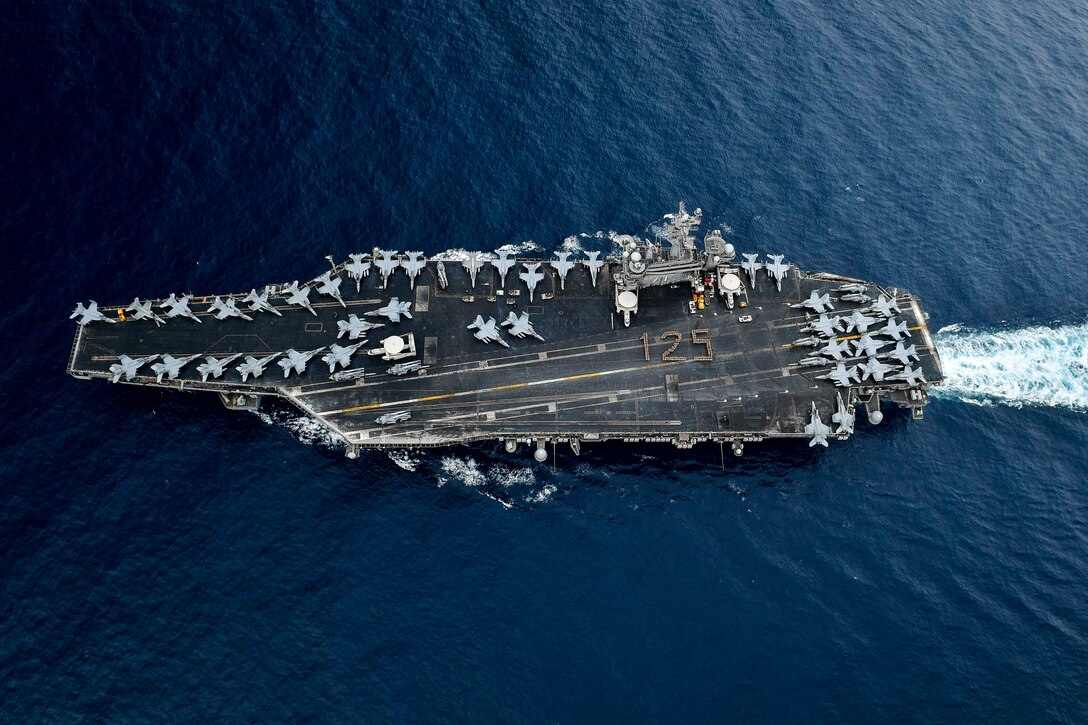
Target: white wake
<point x="1043" y="366"/>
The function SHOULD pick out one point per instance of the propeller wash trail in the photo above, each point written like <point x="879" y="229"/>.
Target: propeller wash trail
<point x="669" y="340"/>
<point x="1045" y="366"/>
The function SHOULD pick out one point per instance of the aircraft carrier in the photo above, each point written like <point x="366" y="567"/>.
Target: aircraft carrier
<point x="672" y="339"/>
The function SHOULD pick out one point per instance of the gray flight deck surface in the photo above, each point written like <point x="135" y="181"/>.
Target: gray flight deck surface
<point x="591" y="378"/>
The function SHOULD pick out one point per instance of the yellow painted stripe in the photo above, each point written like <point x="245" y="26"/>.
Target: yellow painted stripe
<point x="858" y="337"/>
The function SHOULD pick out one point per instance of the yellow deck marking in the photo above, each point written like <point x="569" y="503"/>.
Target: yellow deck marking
<point x="858" y="337"/>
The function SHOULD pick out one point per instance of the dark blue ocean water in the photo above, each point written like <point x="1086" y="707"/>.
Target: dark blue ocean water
<point x="163" y="559"/>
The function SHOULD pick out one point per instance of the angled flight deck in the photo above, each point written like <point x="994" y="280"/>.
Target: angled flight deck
<point x="666" y="342"/>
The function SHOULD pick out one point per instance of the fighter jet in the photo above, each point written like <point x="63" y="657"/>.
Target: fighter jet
<point x="856" y="298"/>
<point x="503" y="263"/>
<point x="817" y="429"/>
<point x="142" y="311"/>
<point x="751" y="266"/>
<point x="394" y="310"/>
<point x="894" y="331"/>
<point x="171" y="366"/>
<point x="874" y="369"/>
<point x="341" y="356"/>
<point x="886" y="306"/>
<point x="808" y="342"/>
<point x="903" y="354"/>
<point x="531" y="276"/>
<point x="405" y="367"/>
<point x="593" y="261"/>
<point x="521" y="326"/>
<point x="390" y="418"/>
<point x="89" y="313"/>
<point x="473" y="263"/>
<point x="844" y="417"/>
<point x="298" y="296"/>
<point x="852" y="288"/>
<point x="413" y="265"/>
<point x="443" y="282"/>
<point x="329" y="285"/>
<point x="128" y="366"/>
<point x="812" y="362"/>
<point x="295" y="360"/>
<point x="909" y="375"/>
<point x="357" y="269"/>
<point x="354" y="327"/>
<point x="866" y="345"/>
<point x="835" y="349"/>
<point x="179" y="307"/>
<point x="841" y="375"/>
<point x="215" y="366"/>
<point x="227" y="308"/>
<point x="344" y="375"/>
<point x="486" y="331"/>
<point x="258" y="301"/>
<point x="775" y="268"/>
<point x="562" y="265"/>
<point x="815" y="302"/>
<point x="255" y="366"/>
<point x="826" y="326"/>
<point x="859" y="322"/>
<point x="387" y="263"/>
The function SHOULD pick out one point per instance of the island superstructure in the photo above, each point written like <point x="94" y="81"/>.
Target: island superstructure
<point x="671" y="339"/>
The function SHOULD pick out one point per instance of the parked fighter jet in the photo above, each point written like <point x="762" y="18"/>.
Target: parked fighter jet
<point x="817" y="429"/>
<point x="593" y="261"/>
<point x="903" y="354"/>
<point x="859" y="322"/>
<point x="503" y="263"/>
<point x="521" y="326"/>
<point x="808" y="342"/>
<point x="394" y="310"/>
<point x="562" y="265"/>
<point x="357" y="269"/>
<point x="179" y="307"/>
<point x="255" y="366"/>
<point x="329" y="285"/>
<point x="874" y="369"/>
<point x="387" y="263"/>
<point x="835" y="349"/>
<point x="775" y="268"/>
<point x="128" y="366"/>
<point x="259" y="301"/>
<point x="856" y="298"/>
<point x="390" y="418"/>
<point x="171" y="366"/>
<point x="344" y="375"/>
<point x="406" y="367"/>
<point x="298" y="296"/>
<point x="355" y="327"/>
<point x="815" y="302"/>
<point x="895" y="331"/>
<point x="909" y="375"/>
<point x="443" y="282"/>
<point x="142" y="311"/>
<point x="341" y="356"/>
<point x="295" y="360"/>
<point x="215" y="366"/>
<point x="89" y="313"/>
<point x="751" y="266"/>
<point x="473" y="263"/>
<point x="844" y="416"/>
<point x="826" y="326"/>
<point x="227" y="308"/>
<point x="841" y="375"/>
<point x="531" y="276"/>
<point x="413" y="265"/>
<point x="852" y="288"/>
<point x="866" y="345"/>
<point x="812" y="362"/>
<point x="486" y="331"/>
<point x="886" y="306"/>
